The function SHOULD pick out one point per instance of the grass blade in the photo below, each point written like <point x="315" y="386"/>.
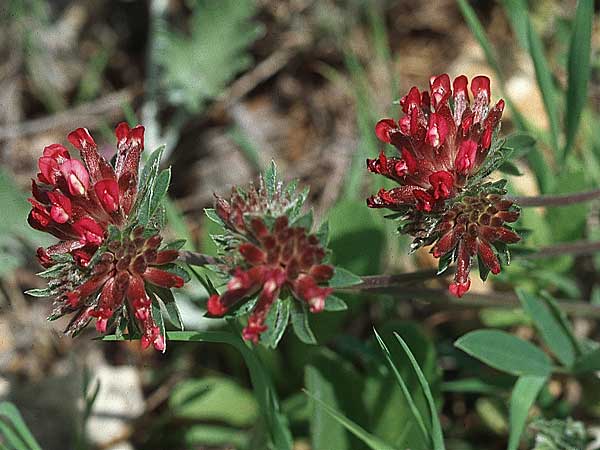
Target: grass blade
<point x="516" y="10"/>
<point x="523" y="396"/>
<point x="371" y="441"/>
<point x="545" y="82"/>
<point x="578" y="69"/>
<point x="411" y="403"/>
<point x="436" y="432"/>
<point x="10" y="412"/>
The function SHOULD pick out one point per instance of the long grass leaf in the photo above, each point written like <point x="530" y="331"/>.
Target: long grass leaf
<point x="437" y="436"/>
<point x="545" y="83"/>
<point x="10" y="411"/>
<point x="411" y="403"/>
<point x="578" y="69"/>
<point x="373" y="442"/>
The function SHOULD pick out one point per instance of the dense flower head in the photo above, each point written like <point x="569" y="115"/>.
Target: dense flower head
<point x="475" y="226"/>
<point x="442" y="140"/>
<point x="268" y="256"/>
<point x="105" y="261"/>
<point x="447" y="144"/>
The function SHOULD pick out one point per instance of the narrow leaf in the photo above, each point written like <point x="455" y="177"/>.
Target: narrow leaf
<point x="333" y="303"/>
<point x="343" y="278"/>
<point x="578" y="68"/>
<point x="505" y="352"/>
<point x="373" y="442"/>
<point x="409" y="399"/>
<point x="10" y="412"/>
<point x="545" y="82"/>
<point x="436" y="431"/>
<point x="301" y="325"/>
<point x="551" y="330"/>
<point x="522" y="398"/>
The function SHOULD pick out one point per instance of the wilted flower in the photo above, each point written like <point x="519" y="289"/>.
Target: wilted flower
<point x="447" y="146"/>
<point x="106" y="257"/>
<point x="268" y="255"/>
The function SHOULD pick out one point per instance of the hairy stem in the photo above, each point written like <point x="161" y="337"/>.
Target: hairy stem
<point x="557" y="200"/>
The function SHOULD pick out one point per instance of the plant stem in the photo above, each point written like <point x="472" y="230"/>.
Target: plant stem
<point x="557" y="200"/>
<point x="196" y="259"/>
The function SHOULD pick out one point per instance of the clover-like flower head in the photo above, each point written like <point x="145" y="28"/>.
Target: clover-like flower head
<point x="446" y="146"/>
<point x="268" y="253"/>
<point x="108" y="264"/>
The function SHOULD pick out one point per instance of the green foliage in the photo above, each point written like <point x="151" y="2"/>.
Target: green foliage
<point x="551" y="329"/>
<point x="578" y="69"/>
<point x="14" y="433"/>
<point x="559" y="435"/>
<point x="522" y="398"/>
<point x="197" y="67"/>
<point x="505" y="352"/>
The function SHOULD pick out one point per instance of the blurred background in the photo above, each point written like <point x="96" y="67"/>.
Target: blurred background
<point x="229" y="85"/>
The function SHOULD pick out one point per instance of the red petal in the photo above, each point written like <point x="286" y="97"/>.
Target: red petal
<point x="488" y="256"/>
<point x="252" y="254"/>
<point x="384" y="128"/>
<point x="76" y="175"/>
<point x="465" y="158"/>
<point x="437" y="130"/>
<point x="163" y="278"/>
<point x="442" y="183"/>
<point x="440" y="90"/>
<point x="322" y="272"/>
<point x="215" y="307"/>
<point x="89" y="230"/>
<point x="165" y="257"/>
<point x="107" y="192"/>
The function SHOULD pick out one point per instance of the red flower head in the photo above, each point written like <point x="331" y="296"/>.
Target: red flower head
<point x="108" y="264"/>
<point x="268" y="252"/>
<point x="446" y="146"/>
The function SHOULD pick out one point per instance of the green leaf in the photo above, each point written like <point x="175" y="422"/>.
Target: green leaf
<point x="151" y="166"/>
<point x="578" y="69"/>
<point x="265" y="393"/>
<point x="333" y="303"/>
<point x="325" y="431"/>
<point x="214" y="399"/>
<point x="549" y="327"/>
<point x="220" y="34"/>
<point x="519" y="141"/>
<point x="175" y="245"/>
<point x="305" y="221"/>
<point x="510" y="169"/>
<point x="301" y="325"/>
<point x="158" y="319"/>
<point x="323" y="233"/>
<point x="9" y="412"/>
<point x="276" y="321"/>
<point x="373" y="442"/>
<point x="436" y="432"/>
<point x="343" y="278"/>
<point x="517" y="14"/>
<point x="215" y="436"/>
<point x="522" y="398"/>
<point x="168" y="301"/>
<point x="271" y="179"/>
<point x="545" y="82"/>
<point x="212" y="215"/>
<point x="407" y="395"/>
<point x="159" y="190"/>
<point x="588" y="362"/>
<point x="45" y="292"/>
<point x="505" y="352"/>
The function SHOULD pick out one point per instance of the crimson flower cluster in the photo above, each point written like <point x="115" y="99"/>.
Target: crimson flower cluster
<point x="104" y="260"/>
<point x="445" y="142"/>
<point x="267" y="255"/>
